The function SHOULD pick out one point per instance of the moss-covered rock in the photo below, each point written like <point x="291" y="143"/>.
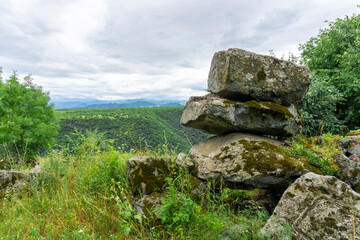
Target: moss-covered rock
<point x="216" y="115"/>
<point x="14" y="181"/>
<point x="239" y="74"/>
<point x="317" y="207"/>
<point x="147" y="174"/>
<point x="245" y="161"/>
<point x="147" y="206"/>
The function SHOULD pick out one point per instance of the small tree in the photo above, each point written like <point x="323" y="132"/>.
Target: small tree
<point x="27" y="120"/>
<point x="334" y="56"/>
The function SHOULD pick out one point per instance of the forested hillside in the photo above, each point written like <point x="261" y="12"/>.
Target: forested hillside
<point x="128" y="128"/>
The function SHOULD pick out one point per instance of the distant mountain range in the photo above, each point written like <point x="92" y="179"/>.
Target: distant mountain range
<point x="95" y="103"/>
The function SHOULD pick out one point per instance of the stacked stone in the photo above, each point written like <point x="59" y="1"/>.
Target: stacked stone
<point x="249" y="93"/>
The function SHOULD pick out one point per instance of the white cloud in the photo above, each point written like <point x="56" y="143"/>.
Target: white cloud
<point x="114" y="49"/>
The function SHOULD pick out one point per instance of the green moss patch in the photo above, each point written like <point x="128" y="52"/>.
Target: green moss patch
<point x="314" y="162"/>
<point x="149" y="177"/>
<point x="264" y="157"/>
<point x="271" y="106"/>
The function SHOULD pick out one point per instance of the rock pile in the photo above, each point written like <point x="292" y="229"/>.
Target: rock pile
<point x="249" y="93"/>
<point x="253" y="94"/>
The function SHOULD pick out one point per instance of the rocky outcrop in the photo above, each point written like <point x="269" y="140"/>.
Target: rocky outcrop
<point x="239" y="74"/>
<point x="216" y="115"/>
<point x="147" y="174"/>
<point x="249" y="93"/>
<point x="254" y="94"/>
<point x="245" y="161"/>
<point x="317" y="207"/>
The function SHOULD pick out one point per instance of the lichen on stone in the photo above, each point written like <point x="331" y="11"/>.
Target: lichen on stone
<point x="265" y="157"/>
<point x="150" y="176"/>
<point x="271" y="106"/>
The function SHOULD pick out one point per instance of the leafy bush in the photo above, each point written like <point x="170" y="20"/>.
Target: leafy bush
<point x="85" y="143"/>
<point x="27" y="122"/>
<point x="319" y="108"/>
<point x="178" y="209"/>
<point x="335" y="56"/>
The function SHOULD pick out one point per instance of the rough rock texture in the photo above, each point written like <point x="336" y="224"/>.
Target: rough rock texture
<point x="355" y="150"/>
<point x="355" y="158"/>
<point x="14" y="181"/>
<point x="147" y="174"/>
<point x="348" y="142"/>
<point x="317" y="207"/>
<point x="240" y="74"/>
<point x="349" y="169"/>
<point x="183" y="161"/>
<point x="216" y="115"/>
<point x="245" y="161"/>
<point x="147" y="205"/>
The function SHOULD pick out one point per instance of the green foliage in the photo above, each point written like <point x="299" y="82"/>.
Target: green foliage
<point x="178" y="210"/>
<point x="334" y="56"/>
<point x="318" y="154"/>
<point x="26" y="119"/>
<point x="319" y="110"/>
<point x="88" y="143"/>
<point x="86" y="195"/>
<point x="140" y="129"/>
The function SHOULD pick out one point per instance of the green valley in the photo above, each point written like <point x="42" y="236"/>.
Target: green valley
<point x="131" y="128"/>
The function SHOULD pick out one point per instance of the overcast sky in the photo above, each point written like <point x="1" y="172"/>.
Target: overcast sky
<point x="160" y="49"/>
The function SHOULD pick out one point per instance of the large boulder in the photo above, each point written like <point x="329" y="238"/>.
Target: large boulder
<point x="239" y="74"/>
<point x="245" y="161"/>
<point x="147" y="174"/>
<point x="317" y="207"/>
<point x="216" y="115"/>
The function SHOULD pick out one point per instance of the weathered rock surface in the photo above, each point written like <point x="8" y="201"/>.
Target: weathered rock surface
<point x="14" y="181"/>
<point x="147" y="205"/>
<point x="349" y="169"/>
<point x="240" y="74"/>
<point x="317" y="207"/>
<point x="355" y="150"/>
<point x="347" y="142"/>
<point x="216" y="115"/>
<point x="183" y="161"/>
<point x="147" y="174"/>
<point x="355" y="158"/>
<point x="245" y="161"/>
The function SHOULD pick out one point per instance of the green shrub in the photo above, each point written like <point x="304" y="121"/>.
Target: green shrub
<point x="27" y="121"/>
<point x="178" y="209"/>
<point x="334" y="56"/>
<point x="319" y="108"/>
